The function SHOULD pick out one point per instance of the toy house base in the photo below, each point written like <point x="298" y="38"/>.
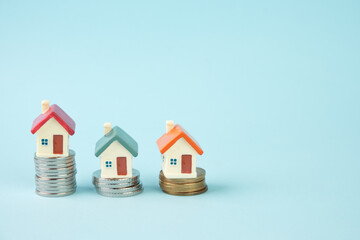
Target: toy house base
<point x="179" y="175"/>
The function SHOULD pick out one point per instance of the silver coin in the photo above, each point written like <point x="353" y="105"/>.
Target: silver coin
<point x="56" y="190"/>
<point x="115" y="185"/>
<point x="54" y="180"/>
<point x="45" y="194"/>
<point x="97" y="177"/>
<point x="54" y="160"/>
<point x="54" y="170"/>
<point x="53" y="165"/>
<point x="69" y="186"/>
<point x="51" y="186"/>
<point x="64" y="190"/>
<point x="67" y="178"/>
<point x="57" y="193"/>
<point x="134" y="182"/>
<point x="121" y="190"/>
<point x="53" y="175"/>
<point x="44" y="188"/>
<point x="119" y="195"/>
<point x="55" y="184"/>
<point x="56" y="176"/>
<point x="52" y="183"/>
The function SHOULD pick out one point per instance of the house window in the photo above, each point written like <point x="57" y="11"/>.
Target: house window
<point x="173" y="161"/>
<point x="44" y="142"/>
<point x="108" y="163"/>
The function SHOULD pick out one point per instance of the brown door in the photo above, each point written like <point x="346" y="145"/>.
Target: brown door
<point x="186" y="163"/>
<point x="121" y="166"/>
<point x="58" y="144"/>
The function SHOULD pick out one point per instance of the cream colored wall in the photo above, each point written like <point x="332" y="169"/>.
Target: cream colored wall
<point x="110" y="154"/>
<point x="180" y="148"/>
<point x="47" y="131"/>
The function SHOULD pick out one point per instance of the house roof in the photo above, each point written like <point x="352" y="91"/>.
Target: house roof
<point x="59" y="115"/>
<point x="116" y="134"/>
<point x="170" y="138"/>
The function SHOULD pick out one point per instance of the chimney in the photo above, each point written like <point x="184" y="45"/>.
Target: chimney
<point x="45" y="106"/>
<point x="107" y="128"/>
<point x="169" y="125"/>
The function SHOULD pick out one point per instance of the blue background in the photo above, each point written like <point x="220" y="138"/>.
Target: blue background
<point x="270" y="90"/>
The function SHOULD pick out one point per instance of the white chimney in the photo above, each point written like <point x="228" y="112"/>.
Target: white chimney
<point x="45" y="105"/>
<point x="169" y="125"/>
<point x="107" y="128"/>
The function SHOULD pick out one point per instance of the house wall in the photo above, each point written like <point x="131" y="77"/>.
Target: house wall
<point x="110" y="154"/>
<point x="180" y="148"/>
<point x="47" y="131"/>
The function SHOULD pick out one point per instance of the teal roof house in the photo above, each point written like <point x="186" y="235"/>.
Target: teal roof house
<point x="116" y="150"/>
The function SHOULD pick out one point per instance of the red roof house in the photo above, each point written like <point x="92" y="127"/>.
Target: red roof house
<point x="53" y="127"/>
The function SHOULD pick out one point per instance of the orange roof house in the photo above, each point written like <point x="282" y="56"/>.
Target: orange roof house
<point x="179" y="152"/>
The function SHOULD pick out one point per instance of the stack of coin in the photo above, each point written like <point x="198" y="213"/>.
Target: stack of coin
<point x="118" y="187"/>
<point x="55" y="177"/>
<point x="184" y="186"/>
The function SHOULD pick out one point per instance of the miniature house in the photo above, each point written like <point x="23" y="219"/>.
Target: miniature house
<point x="116" y="150"/>
<point x="179" y="151"/>
<point x="52" y="127"/>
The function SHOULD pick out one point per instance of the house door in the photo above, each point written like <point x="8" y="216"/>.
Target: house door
<point x="121" y="166"/>
<point x="186" y="162"/>
<point x="58" y="144"/>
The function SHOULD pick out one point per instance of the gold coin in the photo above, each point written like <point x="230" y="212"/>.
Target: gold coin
<point x="169" y="189"/>
<point x="182" y="184"/>
<point x="189" y="181"/>
<point x="186" y="193"/>
<point x="200" y="176"/>
<point x="183" y="187"/>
